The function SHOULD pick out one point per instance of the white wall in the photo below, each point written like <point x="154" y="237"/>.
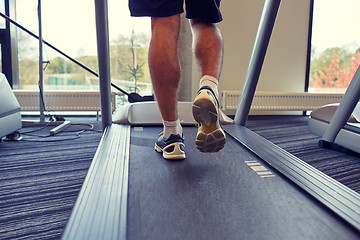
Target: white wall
<point x="285" y="62"/>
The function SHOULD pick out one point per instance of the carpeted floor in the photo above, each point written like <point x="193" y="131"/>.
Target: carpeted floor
<point x="40" y="177"/>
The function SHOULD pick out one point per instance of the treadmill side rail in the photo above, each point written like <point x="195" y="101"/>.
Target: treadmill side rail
<point x="334" y="195"/>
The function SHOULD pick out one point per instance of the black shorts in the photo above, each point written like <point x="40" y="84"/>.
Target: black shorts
<point x="207" y="10"/>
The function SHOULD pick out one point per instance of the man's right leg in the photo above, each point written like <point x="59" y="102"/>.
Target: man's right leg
<point x="165" y="75"/>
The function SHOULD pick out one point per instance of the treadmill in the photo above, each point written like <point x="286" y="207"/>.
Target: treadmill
<point x="10" y="116"/>
<point x="339" y="124"/>
<point x="252" y="189"/>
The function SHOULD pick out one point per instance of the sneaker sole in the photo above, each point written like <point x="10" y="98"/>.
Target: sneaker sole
<point x="210" y="137"/>
<point x="175" y="154"/>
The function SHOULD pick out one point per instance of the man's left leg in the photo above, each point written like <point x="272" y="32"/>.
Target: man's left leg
<point x="208" y="49"/>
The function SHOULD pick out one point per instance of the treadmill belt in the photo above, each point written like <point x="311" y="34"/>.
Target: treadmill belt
<point x="231" y="194"/>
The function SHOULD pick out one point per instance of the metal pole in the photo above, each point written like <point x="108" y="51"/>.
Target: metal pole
<point x="261" y="43"/>
<point x="102" y="32"/>
<point x="41" y="73"/>
<point x="185" y="58"/>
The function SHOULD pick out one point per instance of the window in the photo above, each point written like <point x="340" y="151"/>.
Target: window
<point x="70" y="26"/>
<point x="2" y="10"/>
<point x="335" y="45"/>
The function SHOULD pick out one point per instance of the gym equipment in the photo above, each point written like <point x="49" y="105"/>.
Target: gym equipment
<point x="130" y="192"/>
<point x="133" y="96"/>
<point x="148" y="113"/>
<point x="10" y="117"/>
<point x="340" y="124"/>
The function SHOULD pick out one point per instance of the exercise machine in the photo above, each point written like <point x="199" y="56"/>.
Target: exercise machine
<point x="133" y="114"/>
<point x="340" y="123"/>
<point x="10" y="117"/>
<point x="130" y="192"/>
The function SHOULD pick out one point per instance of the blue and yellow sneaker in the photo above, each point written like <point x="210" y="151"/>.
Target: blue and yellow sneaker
<point x="172" y="148"/>
<point x="210" y="136"/>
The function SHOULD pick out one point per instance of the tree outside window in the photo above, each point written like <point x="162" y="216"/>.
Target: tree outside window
<point x="335" y="45"/>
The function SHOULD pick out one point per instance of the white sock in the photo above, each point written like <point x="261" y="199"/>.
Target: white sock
<point x="172" y="127"/>
<point x="211" y="82"/>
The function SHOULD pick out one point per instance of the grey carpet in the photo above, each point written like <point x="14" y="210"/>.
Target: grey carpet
<point x="40" y="178"/>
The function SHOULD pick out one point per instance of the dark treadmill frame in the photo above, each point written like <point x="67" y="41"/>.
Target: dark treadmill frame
<point x="334" y="195"/>
<point x="337" y="197"/>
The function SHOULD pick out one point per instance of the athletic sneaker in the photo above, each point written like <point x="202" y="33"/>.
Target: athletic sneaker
<point x="172" y="148"/>
<point x="210" y="136"/>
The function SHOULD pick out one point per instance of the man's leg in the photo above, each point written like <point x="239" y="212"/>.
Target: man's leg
<point x="165" y="75"/>
<point x="208" y="49"/>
